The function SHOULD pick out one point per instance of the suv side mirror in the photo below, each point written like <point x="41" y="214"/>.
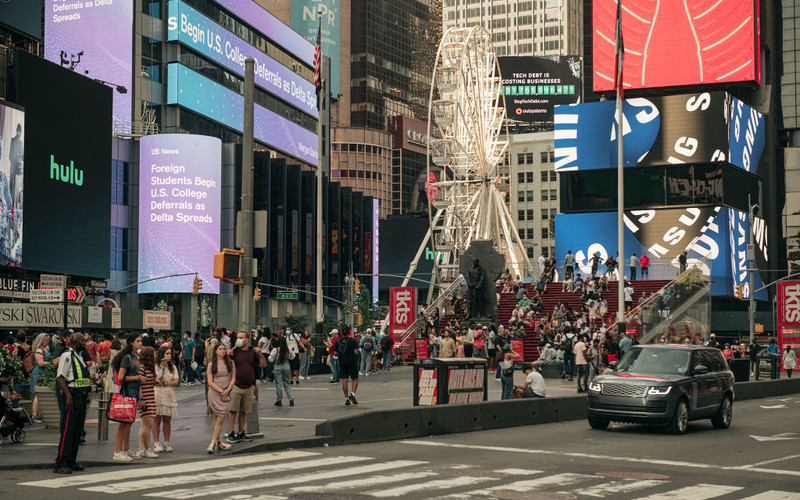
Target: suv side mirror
<point x="700" y="370"/>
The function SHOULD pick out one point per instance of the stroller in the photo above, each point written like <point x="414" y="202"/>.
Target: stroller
<point x="12" y="422"/>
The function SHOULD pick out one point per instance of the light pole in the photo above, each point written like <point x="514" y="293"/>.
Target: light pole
<point x="751" y="257"/>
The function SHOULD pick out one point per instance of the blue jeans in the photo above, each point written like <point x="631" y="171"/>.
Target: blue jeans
<point x="188" y="370"/>
<point x="569" y="364"/>
<point x="507" y="383"/>
<point x="283" y="380"/>
<point x="305" y="362"/>
<point x="366" y="360"/>
<point x="335" y="368"/>
<point x="387" y="359"/>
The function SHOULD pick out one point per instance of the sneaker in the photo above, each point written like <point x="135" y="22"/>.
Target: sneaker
<point x="291" y="402"/>
<point x="333" y="382"/>
<point x="212" y="447"/>
<point x="157" y="447"/>
<point x="347" y="401"/>
<point x="222" y="446"/>
<point x="148" y="453"/>
<point x="352" y="397"/>
<point x="244" y="437"/>
<point x="121" y="457"/>
<point x="167" y="447"/>
<point x="297" y="382"/>
<point x="231" y="437"/>
<point x="278" y="403"/>
<point x="134" y="455"/>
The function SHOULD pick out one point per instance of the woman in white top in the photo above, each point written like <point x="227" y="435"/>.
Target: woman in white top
<point x="280" y="357"/>
<point x="166" y="404"/>
<point x="789" y="360"/>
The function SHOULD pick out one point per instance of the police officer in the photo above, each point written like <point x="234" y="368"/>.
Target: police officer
<point x="75" y="383"/>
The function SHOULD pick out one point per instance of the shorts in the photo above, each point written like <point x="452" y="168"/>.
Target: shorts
<point x="241" y="399"/>
<point x="294" y="364"/>
<point x="528" y="393"/>
<point x="491" y="352"/>
<point x="645" y="271"/>
<point x="348" y="370"/>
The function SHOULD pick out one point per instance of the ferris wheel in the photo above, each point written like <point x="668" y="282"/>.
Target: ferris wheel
<point x="466" y="115"/>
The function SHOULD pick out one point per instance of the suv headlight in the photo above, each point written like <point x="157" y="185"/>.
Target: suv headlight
<point x="659" y="391"/>
<point x="594" y="386"/>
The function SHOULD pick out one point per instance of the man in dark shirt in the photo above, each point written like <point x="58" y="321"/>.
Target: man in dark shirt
<point x="245" y="360"/>
<point x="347" y="350"/>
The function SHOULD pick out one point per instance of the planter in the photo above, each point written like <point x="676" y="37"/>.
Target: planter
<point x="48" y="406"/>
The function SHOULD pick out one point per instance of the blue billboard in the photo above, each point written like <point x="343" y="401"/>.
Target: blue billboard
<point x="305" y="22"/>
<point x="195" y="92"/>
<point x="200" y="33"/>
<point x="718" y="233"/>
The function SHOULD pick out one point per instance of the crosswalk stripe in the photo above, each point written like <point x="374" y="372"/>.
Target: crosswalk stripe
<point x="618" y="487"/>
<point x="228" y="474"/>
<point x="564" y="479"/>
<point x="364" y="483"/>
<point x="260" y="484"/>
<point x="697" y="492"/>
<point x="430" y="486"/>
<point x="192" y="466"/>
<point x="773" y="494"/>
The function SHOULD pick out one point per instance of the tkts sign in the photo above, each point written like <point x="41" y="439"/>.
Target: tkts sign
<point x="788" y="313"/>
<point x="401" y="313"/>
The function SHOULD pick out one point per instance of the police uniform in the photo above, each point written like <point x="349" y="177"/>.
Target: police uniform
<point x="75" y="372"/>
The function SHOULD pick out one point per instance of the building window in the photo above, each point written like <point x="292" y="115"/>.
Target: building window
<point x="530" y="214"/>
<point x="553" y="195"/>
<point x="544" y="176"/>
<point x="544" y="195"/>
<point x="529" y="176"/>
<point x="552" y="156"/>
<point x="521" y="215"/>
<point x="545" y="214"/>
<point x="521" y="233"/>
<point x="520" y="196"/>
<point x="530" y="233"/>
<point x="553" y="175"/>
<point x="544" y="156"/>
<point x="544" y="233"/>
<point x="119" y="182"/>
<point x="529" y="158"/>
<point x="521" y="178"/>
<point x="520" y="158"/>
<point x="119" y="252"/>
<point x="529" y="195"/>
<point x="545" y="252"/>
<point x="530" y="253"/>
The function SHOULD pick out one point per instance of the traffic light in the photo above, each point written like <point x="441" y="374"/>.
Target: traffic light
<point x="227" y="265"/>
<point x="198" y="284"/>
<point x="357" y="286"/>
<point x="257" y="294"/>
<point x="739" y="294"/>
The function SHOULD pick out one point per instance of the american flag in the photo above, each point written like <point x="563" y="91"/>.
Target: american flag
<point x="619" y="51"/>
<point x="318" y="55"/>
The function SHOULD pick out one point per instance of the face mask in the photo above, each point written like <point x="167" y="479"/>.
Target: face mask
<point x="138" y="351"/>
<point x="239" y="343"/>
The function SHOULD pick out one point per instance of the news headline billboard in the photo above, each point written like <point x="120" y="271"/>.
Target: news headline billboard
<point x="180" y="189"/>
<point x="660" y="130"/>
<point x="67" y="196"/>
<point x="533" y="85"/>
<point x="719" y="233"/>
<point x="193" y="91"/>
<point x="12" y="161"/>
<point x="305" y="22"/>
<point x="673" y="43"/>
<point x="94" y="39"/>
<point x="200" y="33"/>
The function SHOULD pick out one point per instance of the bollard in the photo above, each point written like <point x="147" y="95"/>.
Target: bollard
<point x="252" y="427"/>
<point x="102" y="421"/>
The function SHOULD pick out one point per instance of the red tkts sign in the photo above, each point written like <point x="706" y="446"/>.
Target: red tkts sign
<point x="788" y="313"/>
<point x="401" y="312"/>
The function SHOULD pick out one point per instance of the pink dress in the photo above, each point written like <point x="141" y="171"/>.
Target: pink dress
<point x="166" y="404"/>
<point x="221" y="379"/>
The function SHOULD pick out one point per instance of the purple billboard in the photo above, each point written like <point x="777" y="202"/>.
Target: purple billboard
<point x="179" y="211"/>
<point x="94" y="39"/>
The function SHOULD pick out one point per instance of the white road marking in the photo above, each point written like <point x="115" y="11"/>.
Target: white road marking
<point x="773" y="494"/>
<point x="697" y="492"/>
<point x="430" y="486"/>
<point x="518" y="472"/>
<point x="772" y="407"/>
<point x="260" y="484"/>
<point x="120" y="474"/>
<point x="364" y="483"/>
<point x="784" y="436"/>
<point x="765" y="462"/>
<point x="39" y="444"/>
<point x="222" y="475"/>
<point x="564" y="479"/>
<point x="618" y="487"/>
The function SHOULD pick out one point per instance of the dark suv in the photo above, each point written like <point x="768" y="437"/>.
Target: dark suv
<point x="664" y="384"/>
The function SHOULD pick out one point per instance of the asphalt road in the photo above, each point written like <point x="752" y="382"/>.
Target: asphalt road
<point x="758" y="458"/>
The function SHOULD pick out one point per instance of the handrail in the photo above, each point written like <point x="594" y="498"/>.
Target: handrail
<point x="433" y="306"/>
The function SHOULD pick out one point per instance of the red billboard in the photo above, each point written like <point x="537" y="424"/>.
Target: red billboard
<point x="401" y="306"/>
<point x="788" y="314"/>
<point x="674" y="43"/>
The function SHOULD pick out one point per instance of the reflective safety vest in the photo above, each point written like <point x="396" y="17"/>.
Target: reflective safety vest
<point x="80" y="374"/>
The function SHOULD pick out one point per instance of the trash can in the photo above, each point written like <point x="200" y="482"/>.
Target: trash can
<point x="439" y="381"/>
<point x="741" y="369"/>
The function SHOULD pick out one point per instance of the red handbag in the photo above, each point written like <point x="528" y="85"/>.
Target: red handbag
<point x="121" y="409"/>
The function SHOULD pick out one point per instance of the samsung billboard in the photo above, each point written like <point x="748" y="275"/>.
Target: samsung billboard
<point x="180" y="178"/>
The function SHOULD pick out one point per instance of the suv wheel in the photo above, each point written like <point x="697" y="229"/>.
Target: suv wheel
<point x="598" y="423"/>
<point x="680" y="418"/>
<point x="722" y="419"/>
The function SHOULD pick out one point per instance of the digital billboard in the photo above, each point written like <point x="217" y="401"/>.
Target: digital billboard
<point x="180" y="186"/>
<point x="193" y="91"/>
<point x="305" y="22"/>
<point x="94" y="39"/>
<point x="200" y="33"/>
<point x="533" y="85"/>
<point x="719" y="233"/>
<point x="400" y="238"/>
<point x="673" y="43"/>
<point x="12" y="161"/>
<point x="660" y="130"/>
<point x="67" y="196"/>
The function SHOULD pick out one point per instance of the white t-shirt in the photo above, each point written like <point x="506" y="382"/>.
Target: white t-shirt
<point x="578" y="350"/>
<point x="291" y="341"/>
<point x="536" y="381"/>
<point x="628" y="291"/>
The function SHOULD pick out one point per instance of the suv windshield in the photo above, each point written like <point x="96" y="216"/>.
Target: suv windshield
<point x="674" y="361"/>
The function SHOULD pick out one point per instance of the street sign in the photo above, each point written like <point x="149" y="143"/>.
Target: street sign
<point x="47" y="295"/>
<point x="75" y="294"/>
<point x="52" y="281"/>
<point x="287" y="295"/>
<point x="116" y="318"/>
<point x="98" y="283"/>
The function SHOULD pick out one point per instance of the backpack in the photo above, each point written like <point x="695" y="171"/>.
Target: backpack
<point x="367" y="345"/>
<point x="28" y="363"/>
<point x="386" y="343"/>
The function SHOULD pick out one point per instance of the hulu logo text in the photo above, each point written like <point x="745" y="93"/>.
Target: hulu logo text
<point x="65" y="173"/>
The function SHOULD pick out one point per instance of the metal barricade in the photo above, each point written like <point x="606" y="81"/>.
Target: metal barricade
<point x="102" y="421"/>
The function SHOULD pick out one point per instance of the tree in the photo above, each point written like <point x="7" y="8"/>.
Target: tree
<point x="296" y="323"/>
<point x="370" y="312"/>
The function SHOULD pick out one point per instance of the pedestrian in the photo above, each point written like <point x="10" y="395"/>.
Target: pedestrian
<point x="534" y="386"/>
<point x="789" y="360"/>
<point x="644" y="263"/>
<point x="188" y="345"/>
<point x="569" y="265"/>
<point x="506" y="367"/>
<point x="167" y="378"/>
<point x="366" y="346"/>
<point x="281" y="357"/>
<point x="593" y="359"/>
<point x="147" y="400"/>
<point x="682" y="262"/>
<point x="221" y="375"/>
<point x="293" y="342"/>
<point x="75" y="382"/>
<point x="581" y="364"/>
<point x="41" y="358"/>
<point x="126" y="367"/>
<point x="633" y="263"/>
<point x="305" y="355"/>
<point x="447" y="346"/>
<point x="347" y="350"/>
<point x="333" y="360"/>
<point x="386" y="344"/>
<point x="624" y="344"/>
<point x="264" y="338"/>
<point x="774" y="352"/>
<point x="245" y="359"/>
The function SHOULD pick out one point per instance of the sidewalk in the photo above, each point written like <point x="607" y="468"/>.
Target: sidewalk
<point x="316" y="401"/>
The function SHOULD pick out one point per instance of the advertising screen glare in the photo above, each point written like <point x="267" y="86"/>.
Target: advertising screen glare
<point x="208" y="38"/>
<point x="305" y="22"/>
<point x="719" y="233"/>
<point x="94" y="39"/>
<point x="179" y="211"/>
<point x="197" y="93"/>
<point x="12" y="160"/>
<point x="533" y="85"/>
<point x="67" y="200"/>
<point x="673" y="43"/>
<point x="660" y="130"/>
